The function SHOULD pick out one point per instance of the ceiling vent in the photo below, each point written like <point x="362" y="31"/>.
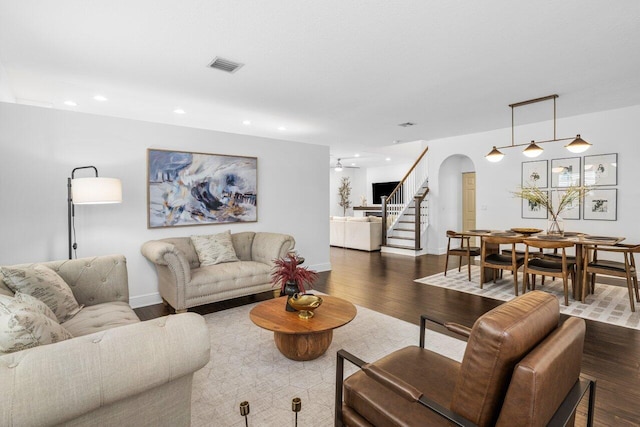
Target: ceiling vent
<point x="225" y="65"/>
<point x="407" y="124"/>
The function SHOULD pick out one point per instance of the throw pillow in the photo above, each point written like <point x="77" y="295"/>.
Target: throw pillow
<point x="35" y="305"/>
<point x="215" y="248"/>
<point x="22" y="326"/>
<point x="46" y="285"/>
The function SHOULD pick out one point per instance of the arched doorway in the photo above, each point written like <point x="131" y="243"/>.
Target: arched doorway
<point x="456" y="187"/>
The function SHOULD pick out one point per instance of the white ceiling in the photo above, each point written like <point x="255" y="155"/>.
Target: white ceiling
<point x="342" y="73"/>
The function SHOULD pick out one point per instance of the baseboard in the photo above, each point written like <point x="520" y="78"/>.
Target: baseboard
<point x="145" y="300"/>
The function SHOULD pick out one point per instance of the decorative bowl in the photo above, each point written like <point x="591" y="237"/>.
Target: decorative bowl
<point x="526" y="231"/>
<point x="305" y="304"/>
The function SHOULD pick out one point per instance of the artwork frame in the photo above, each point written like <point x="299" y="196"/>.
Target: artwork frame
<point x="601" y="170"/>
<point x="186" y="188"/>
<point x="535" y="173"/>
<point x="601" y="204"/>
<point x="572" y="211"/>
<point x="534" y="211"/>
<point x="565" y="172"/>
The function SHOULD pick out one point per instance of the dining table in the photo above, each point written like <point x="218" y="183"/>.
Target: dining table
<point x="579" y="240"/>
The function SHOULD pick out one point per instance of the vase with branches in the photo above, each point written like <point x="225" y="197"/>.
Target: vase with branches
<point x="544" y="199"/>
<point x="344" y="192"/>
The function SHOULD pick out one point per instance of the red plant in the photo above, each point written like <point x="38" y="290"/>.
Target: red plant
<point x="287" y="270"/>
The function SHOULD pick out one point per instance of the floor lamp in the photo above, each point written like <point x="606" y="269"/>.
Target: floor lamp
<point x="88" y="191"/>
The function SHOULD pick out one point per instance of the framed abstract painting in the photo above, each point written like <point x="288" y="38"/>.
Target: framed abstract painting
<point x="185" y="188"/>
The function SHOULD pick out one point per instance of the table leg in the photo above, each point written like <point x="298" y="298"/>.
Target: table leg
<point x="303" y="346"/>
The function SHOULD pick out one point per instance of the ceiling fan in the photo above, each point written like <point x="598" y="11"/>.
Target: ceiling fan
<point x="338" y="167"/>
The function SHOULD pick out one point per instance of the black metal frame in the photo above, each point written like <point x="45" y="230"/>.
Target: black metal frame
<point x="71" y="212"/>
<point x="561" y="417"/>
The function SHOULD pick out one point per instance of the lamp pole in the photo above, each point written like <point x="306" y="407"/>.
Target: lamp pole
<point x="70" y="208"/>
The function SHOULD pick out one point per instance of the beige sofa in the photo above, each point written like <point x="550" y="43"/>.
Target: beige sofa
<point x="116" y="370"/>
<point x="364" y="233"/>
<point x="183" y="283"/>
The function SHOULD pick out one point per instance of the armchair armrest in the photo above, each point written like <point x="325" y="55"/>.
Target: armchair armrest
<point x="59" y="382"/>
<point x="451" y="326"/>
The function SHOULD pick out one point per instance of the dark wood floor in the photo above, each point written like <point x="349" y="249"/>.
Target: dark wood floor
<point x="384" y="283"/>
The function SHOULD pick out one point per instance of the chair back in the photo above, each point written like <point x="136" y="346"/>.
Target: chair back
<point x="499" y="340"/>
<point x="544" y="377"/>
<point x="548" y="244"/>
<point x="501" y="240"/>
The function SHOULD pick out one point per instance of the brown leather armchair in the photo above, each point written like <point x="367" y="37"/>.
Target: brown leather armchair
<point x="519" y="369"/>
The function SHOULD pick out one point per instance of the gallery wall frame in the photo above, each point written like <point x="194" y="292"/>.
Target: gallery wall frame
<point x="535" y="174"/>
<point x="534" y="210"/>
<point x="190" y="188"/>
<point x="565" y="172"/>
<point x="601" y="204"/>
<point x="601" y="170"/>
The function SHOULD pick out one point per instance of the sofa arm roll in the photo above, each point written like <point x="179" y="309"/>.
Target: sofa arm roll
<point x="166" y="254"/>
<point x="59" y="382"/>
<point x="267" y="247"/>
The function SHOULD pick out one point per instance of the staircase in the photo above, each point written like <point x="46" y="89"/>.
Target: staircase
<point x="405" y="212"/>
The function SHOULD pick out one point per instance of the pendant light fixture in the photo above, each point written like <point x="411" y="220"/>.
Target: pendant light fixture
<point x="578" y="145"/>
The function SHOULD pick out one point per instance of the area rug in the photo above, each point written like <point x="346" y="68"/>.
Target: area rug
<point x="609" y="304"/>
<point x="245" y="365"/>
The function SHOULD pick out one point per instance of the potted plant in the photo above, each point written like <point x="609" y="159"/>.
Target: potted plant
<point x="291" y="277"/>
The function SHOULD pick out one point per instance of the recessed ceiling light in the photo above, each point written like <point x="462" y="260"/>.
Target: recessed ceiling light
<point x="100" y="98"/>
<point x="179" y="111"/>
<point x="282" y="128"/>
<point x="70" y="103"/>
<point x="246" y="122"/>
<point x="353" y="164"/>
<point x="357" y="155"/>
<point x="388" y="159"/>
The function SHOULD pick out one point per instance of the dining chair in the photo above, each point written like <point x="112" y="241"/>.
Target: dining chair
<point x="625" y="268"/>
<point x="463" y="250"/>
<point x="490" y="257"/>
<point x="561" y="267"/>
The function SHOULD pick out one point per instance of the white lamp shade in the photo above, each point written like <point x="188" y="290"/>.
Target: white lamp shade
<point x="96" y="190"/>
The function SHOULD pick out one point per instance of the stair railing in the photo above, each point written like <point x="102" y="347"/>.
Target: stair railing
<point x="405" y="192"/>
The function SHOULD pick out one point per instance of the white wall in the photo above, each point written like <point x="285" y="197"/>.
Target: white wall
<point x="448" y="205"/>
<point x="389" y="173"/>
<point x="6" y="94"/>
<point x="613" y="131"/>
<point x="40" y="147"/>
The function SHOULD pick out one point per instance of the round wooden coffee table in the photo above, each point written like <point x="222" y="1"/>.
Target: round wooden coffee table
<point x="300" y="339"/>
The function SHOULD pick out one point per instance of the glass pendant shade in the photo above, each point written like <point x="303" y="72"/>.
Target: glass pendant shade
<point x="578" y="145"/>
<point x="494" y="155"/>
<point x="532" y="150"/>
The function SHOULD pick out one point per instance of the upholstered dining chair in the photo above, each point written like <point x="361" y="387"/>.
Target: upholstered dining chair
<point x="464" y="249"/>
<point x="519" y="369"/>
<point x="625" y="268"/>
<point x="490" y="257"/>
<point x="554" y="267"/>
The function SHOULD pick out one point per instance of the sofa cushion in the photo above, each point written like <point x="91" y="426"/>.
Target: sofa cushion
<point x="242" y="243"/>
<point x="357" y="219"/>
<point x="46" y="285"/>
<point x="338" y="218"/>
<point x="222" y="277"/>
<point x="184" y="245"/>
<point x="101" y="317"/>
<point x="215" y="248"/>
<point x="22" y="326"/>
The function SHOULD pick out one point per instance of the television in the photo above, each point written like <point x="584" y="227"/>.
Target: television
<point x="383" y="189"/>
